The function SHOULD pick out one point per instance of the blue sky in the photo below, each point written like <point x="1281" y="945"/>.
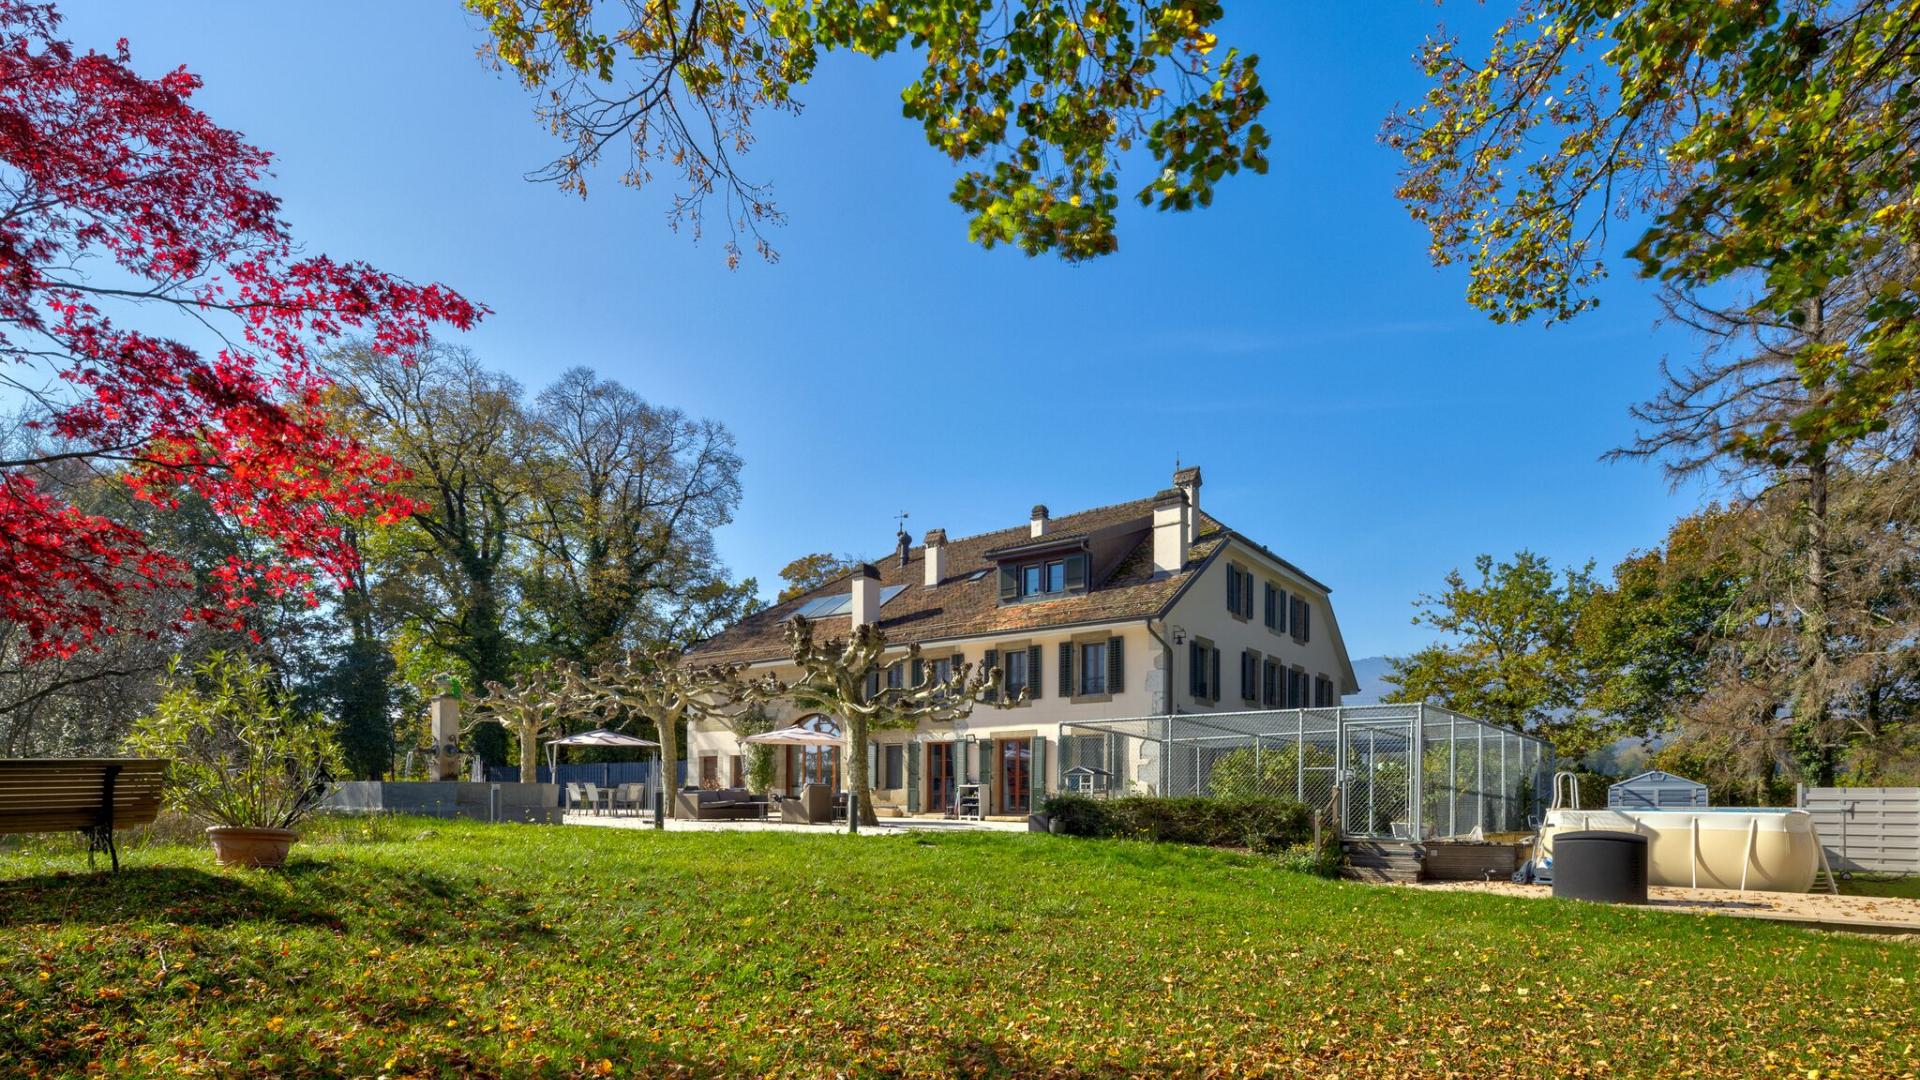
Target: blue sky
<point x="1346" y="405"/>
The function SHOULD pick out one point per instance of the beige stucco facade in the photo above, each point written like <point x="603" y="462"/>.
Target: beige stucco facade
<point x="1155" y="678"/>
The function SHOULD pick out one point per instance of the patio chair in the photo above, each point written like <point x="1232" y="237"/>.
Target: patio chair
<point x="632" y="795"/>
<point x="575" y="796"/>
<point x="813" y="806"/>
<point x="593" y="797"/>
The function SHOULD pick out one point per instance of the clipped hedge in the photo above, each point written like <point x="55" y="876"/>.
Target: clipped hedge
<point x="1263" y="824"/>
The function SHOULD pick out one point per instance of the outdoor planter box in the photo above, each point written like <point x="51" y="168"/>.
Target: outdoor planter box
<point x="1468" y="860"/>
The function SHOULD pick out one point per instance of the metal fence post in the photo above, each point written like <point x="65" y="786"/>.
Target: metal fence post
<point x="1300" y="757"/>
<point x="1417" y="770"/>
<point x="1480" y="777"/>
<point x="1453" y="780"/>
<point x="1506" y="791"/>
<point x="1373" y="770"/>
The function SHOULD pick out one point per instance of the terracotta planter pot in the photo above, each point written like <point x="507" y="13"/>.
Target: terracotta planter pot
<point x="236" y="846"/>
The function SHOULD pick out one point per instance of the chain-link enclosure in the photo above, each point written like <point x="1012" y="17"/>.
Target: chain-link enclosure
<point x="1405" y="771"/>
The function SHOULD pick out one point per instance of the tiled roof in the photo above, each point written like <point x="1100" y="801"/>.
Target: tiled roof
<point x="959" y="608"/>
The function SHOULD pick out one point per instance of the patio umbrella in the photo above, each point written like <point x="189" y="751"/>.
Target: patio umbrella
<point x="793" y="736"/>
<point x="596" y="737"/>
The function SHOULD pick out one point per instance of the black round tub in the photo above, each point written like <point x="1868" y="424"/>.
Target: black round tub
<point x="1602" y="865"/>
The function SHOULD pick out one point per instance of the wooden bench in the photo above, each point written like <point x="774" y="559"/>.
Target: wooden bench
<point x="91" y="795"/>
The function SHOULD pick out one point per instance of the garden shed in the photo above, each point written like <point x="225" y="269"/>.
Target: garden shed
<point x="1656" y="790"/>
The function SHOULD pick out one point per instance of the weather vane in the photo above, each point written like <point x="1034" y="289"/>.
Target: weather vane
<point x="901" y="518"/>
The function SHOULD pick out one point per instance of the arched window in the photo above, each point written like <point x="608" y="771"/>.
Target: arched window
<point x="814" y="764"/>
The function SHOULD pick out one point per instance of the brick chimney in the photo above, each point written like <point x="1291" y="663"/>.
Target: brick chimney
<point x="936" y="555"/>
<point x="1170" y="529"/>
<point x="1188" y="481"/>
<point x="866" y="594"/>
<point x="1038" y="526"/>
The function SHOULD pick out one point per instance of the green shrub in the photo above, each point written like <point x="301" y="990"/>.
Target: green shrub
<point x="1077" y="815"/>
<point x="1263" y="824"/>
<point x="1323" y="861"/>
<point x="238" y="752"/>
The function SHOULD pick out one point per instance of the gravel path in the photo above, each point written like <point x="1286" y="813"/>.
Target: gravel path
<point x="1873" y="914"/>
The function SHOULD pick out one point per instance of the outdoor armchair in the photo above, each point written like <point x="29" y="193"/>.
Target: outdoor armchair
<point x="813" y="806"/>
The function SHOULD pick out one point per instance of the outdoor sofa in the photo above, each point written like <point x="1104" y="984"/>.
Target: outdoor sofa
<point x="720" y="804"/>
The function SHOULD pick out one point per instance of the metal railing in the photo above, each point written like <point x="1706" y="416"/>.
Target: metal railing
<point x="1401" y="771"/>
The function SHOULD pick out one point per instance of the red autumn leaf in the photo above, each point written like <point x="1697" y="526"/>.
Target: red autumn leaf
<point x="119" y="197"/>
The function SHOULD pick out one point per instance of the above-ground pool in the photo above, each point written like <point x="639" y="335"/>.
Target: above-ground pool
<point x="1722" y="847"/>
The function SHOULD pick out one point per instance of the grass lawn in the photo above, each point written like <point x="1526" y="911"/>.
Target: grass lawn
<point x="429" y="948"/>
<point x="1906" y="888"/>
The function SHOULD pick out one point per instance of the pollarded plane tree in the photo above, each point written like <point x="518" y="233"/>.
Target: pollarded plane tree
<point x="658" y="686"/>
<point x="838" y="677"/>
<point x="535" y="705"/>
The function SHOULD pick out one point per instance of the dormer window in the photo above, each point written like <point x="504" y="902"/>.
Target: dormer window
<point x="1043" y="578"/>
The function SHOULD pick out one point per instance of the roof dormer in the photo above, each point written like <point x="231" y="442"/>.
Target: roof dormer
<point x="1046" y="568"/>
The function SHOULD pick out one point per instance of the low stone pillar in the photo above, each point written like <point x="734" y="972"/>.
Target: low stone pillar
<point x="444" y="714"/>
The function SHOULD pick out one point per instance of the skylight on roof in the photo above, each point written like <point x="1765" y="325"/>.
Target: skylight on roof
<point x="978" y="574"/>
<point x="822" y="607"/>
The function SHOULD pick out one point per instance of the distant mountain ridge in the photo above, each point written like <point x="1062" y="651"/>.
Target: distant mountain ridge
<point x="1372" y="674"/>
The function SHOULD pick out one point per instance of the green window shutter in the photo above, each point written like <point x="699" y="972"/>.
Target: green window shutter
<point x="1306" y="622"/>
<point x="1196" y="670"/>
<point x="1233" y="587"/>
<point x="1038" y="771"/>
<point x="1213" y="684"/>
<point x="1116" y="681"/>
<point x="1033" y="671"/>
<point x="873" y="685"/>
<point x="1066" y="669"/>
<point x="914" y="750"/>
<point x="986" y="775"/>
<point x="1009" y="583"/>
<point x="987" y="663"/>
<point x="919" y="671"/>
<point x="1280" y="612"/>
<point x="1076" y="572"/>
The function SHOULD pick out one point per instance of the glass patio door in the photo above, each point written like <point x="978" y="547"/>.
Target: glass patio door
<point x="1016" y="775"/>
<point x="814" y="764"/>
<point x="939" y="776"/>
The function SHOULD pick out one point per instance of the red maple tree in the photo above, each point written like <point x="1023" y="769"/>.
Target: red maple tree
<point x="119" y="198"/>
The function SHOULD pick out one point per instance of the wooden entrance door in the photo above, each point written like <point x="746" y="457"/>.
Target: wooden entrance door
<point x="940" y="776"/>
<point x="1015" y="775"/>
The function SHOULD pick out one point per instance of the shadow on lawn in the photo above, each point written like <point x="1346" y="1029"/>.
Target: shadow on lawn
<point x="174" y="893"/>
<point x="957" y="1057"/>
<point x="379" y="901"/>
<point x="982" y="1057"/>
